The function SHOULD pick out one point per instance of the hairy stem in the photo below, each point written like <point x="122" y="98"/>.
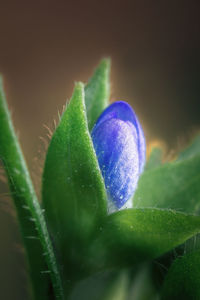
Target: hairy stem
<point x="41" y="259"/>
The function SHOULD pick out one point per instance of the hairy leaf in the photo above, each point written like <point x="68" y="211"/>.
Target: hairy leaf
<point x="31" y="220"/>
<point x="134" y="235"/>
<point x="174" y="185"/>
<point x="73" y="189"/>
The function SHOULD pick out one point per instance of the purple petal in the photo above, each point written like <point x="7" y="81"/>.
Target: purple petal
<point x="123" y="111"/>
<point x="120" y="148"/>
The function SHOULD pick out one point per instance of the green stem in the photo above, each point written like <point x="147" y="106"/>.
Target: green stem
<point x="35" y="235"/>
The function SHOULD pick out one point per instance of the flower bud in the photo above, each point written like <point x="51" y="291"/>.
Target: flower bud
<point x="120" y="148"/>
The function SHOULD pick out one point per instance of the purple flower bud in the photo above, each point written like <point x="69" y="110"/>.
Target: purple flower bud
<point x="120" y="148"/>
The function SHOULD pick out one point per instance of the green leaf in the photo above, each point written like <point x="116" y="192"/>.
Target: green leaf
<point x="155" y="159"/>
<point x="192" y="150"/>
<point x="97" y="92"/>
<point x="74" y="195"/>
<point x="31" y="220"/>
<point x="134" y="235"/>
<point x="174" y="185"/>
<point x="183" y="278"/>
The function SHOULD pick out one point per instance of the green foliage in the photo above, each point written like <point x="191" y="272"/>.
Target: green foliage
<point x="191" y="150"/>
<point x="183" y="278"/>
<point x="173" y="185"/>
<point x="85" y="247"/>
<point x="30" y="216"/>
<point x="155" y="159"/>
<point x="74" y="195"/>
<point x="97" y="92"/>
<point x="131" y="236"/>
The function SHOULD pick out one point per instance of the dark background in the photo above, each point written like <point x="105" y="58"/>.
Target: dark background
<point x="47" y="45"/>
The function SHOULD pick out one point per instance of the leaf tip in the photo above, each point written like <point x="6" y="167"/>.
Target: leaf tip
<point x="105" y="65"/>
<point x="79" y="85"/>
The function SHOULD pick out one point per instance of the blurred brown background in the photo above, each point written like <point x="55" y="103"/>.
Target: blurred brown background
<point x="47" y="45"/>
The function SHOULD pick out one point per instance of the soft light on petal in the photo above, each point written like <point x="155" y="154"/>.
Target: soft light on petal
<point x="120" y="148"/>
